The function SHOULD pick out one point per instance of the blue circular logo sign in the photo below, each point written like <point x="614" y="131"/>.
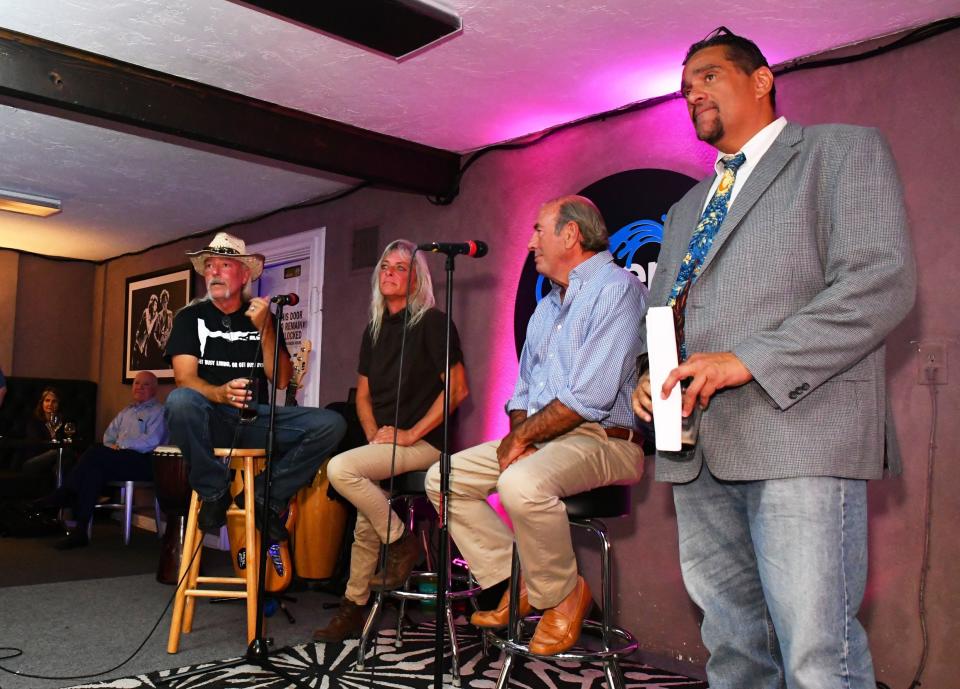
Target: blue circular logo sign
<point x="634" y="205"/>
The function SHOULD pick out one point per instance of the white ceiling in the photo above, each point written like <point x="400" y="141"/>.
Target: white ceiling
<point x="518" y="67"/>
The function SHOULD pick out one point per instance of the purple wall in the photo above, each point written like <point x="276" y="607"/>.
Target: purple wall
<point x="908" y="94"/>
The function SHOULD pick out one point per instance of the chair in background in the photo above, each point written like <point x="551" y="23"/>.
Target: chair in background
<point x="125" y="503"/>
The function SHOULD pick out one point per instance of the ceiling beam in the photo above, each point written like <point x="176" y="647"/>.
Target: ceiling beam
<point x="48" y="77"/>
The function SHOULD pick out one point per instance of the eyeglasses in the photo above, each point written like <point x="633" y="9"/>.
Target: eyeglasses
<point x="719" y="31"/>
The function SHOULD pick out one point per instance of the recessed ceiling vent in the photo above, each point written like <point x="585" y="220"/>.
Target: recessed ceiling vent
<point x="397" y="28"/>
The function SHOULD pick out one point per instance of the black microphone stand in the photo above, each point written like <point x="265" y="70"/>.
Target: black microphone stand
<point x="443" y="560"/>
<point x="258" y="651"/>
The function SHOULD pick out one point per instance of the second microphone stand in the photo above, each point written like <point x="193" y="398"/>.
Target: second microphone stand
<point x="443" y="559"/>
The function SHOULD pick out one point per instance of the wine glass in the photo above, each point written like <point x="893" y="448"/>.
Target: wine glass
<point x="69" y="430"/>
<point x="54" y="422"/>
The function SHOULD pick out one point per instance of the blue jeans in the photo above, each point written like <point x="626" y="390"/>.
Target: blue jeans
<point x="98" y="466"/>
<point x="778" y="568"/>
<point x="304" y="437"/>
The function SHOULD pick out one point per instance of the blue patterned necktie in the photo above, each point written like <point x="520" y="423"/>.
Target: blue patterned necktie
<point x="700" y="243"/>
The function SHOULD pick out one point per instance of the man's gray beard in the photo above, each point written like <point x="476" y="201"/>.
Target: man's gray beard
<point x="220" y="284"/>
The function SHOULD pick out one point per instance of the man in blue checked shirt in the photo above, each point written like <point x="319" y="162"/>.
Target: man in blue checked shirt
<point x="571" y="428"/>
<point x="124" y="456"/>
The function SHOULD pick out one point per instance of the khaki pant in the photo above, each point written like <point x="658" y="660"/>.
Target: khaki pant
<point x="530" y="492"/>
<point x="356" y="475"/>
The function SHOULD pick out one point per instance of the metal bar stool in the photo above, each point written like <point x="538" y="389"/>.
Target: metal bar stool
<point x="409" y="487"/>
<point x="126" y="504"/>
<point x="247" y="463"/>
<point x="584" y="511"/>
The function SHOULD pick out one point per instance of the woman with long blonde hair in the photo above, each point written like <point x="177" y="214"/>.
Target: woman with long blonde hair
<point x="401" y="288"/>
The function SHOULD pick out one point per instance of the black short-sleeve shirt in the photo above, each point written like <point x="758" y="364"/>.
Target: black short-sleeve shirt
<point x="227" y="346"/>
<point x="423" y="366"/>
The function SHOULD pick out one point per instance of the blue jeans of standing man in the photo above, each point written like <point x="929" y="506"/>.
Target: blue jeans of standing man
<point x="778" y="568"/>
<point x="304" y="437"/>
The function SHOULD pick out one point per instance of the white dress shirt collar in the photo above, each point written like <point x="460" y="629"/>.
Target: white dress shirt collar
<point x="754" y="150"/>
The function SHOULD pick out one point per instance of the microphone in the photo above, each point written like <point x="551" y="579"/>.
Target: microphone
<point x="474" y="248"/>
<point x="286" y="299"/>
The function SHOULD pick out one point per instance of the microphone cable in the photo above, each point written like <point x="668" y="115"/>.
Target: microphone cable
<point x="17" y="652"/>
<point x="12" y="652"/>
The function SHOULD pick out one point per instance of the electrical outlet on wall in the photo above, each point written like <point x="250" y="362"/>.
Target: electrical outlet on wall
<point x="931" y="362"/>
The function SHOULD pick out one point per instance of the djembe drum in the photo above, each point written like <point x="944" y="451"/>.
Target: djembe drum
<point x="172" y="486"/>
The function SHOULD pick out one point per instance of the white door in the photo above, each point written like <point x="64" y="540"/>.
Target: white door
<point x="294" y="264"/>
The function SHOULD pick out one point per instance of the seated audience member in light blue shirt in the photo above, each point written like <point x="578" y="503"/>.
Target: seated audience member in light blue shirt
<point x="123" y="456"/>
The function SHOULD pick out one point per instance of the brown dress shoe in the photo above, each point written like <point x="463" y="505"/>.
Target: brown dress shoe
<point x="559" y="628"/>
<point x="346" y="624"/>
<point x="499" y="617"/>
<point x="402" y="555"/>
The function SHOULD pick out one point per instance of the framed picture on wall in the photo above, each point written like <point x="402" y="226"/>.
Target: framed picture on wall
<point x="149" y="305"/>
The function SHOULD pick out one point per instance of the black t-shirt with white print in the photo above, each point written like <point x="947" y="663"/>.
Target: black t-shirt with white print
<point x="227" y="346"/>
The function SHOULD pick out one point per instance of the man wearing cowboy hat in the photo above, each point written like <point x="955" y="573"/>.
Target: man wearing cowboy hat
<point x="222" y="350"/>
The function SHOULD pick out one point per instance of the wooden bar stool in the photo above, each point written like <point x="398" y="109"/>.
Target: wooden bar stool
<point x="247" y="463"/>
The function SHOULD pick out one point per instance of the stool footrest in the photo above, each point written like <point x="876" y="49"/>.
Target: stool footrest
<point x="214" y="593"/>
<point x="452" y="594"/>
<point x="239" y="581"/>
<point x="622" y="645"/>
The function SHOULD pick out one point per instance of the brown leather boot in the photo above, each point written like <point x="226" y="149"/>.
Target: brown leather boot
<point x="402" y="555"/>
<point x="559" y="628"/>
<point x="346" y="624"/>
<point x="499" y="617"/>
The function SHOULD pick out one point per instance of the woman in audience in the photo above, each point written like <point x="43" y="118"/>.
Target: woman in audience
<point x="43" y="426"/>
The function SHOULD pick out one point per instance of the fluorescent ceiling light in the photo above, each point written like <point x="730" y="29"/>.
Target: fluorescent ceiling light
<point x="30" y="204"/>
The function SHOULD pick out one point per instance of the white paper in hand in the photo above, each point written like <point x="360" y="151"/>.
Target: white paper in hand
<point x="662" y="352"/>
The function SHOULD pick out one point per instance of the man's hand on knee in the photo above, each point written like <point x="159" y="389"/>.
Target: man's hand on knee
<point x="511" y="449"/>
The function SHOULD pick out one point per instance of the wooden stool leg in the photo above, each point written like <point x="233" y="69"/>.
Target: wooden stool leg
<point x="253" y="548"/>
<point x="189" y="545"/>
<point x="191" y="583"/>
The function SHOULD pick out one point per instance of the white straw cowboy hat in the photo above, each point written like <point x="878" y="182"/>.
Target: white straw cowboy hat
<point x="227" y="246"/>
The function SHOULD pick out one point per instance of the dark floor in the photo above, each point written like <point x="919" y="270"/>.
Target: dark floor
<point x="35" y="560"/>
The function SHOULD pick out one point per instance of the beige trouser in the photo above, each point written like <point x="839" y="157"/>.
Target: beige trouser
<point x="356" y="475"/>
<point x="530" y="492"/>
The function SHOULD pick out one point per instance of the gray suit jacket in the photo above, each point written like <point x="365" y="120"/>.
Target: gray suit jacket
<point x="810" y="270"/>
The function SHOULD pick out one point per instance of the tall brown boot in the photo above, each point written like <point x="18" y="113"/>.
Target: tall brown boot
<point x="346" y="624"/>
<point x="402" y="555"/>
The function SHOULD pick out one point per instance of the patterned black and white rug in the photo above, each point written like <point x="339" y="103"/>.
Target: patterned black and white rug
<point x="333" y="666"/>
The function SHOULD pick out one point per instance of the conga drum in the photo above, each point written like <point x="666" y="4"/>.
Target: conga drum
<point x="172" y="486"/>
<point x="319" y="532"/>
<point x="279" y="564"/>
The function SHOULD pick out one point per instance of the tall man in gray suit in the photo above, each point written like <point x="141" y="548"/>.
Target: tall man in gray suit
<point x="786" y="272"/>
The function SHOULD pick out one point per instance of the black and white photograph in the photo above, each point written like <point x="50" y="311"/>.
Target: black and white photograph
<point x="151" y="300"/>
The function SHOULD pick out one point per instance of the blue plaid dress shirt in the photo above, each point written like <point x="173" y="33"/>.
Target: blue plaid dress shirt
<point x="582" y="351"/>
